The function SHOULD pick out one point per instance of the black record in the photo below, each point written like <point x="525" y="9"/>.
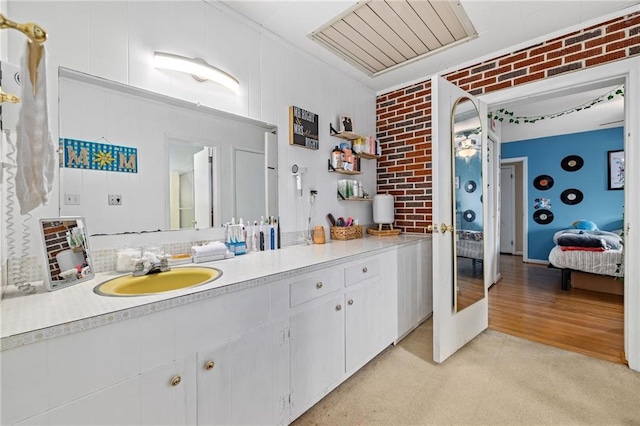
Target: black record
<point x="543" y="217"/>
<point x="572" y="163"/>
<point x="470" y="186"/>
<point x="469" y="215"/>
<point x="543" y="182"/>
<point x="571" y="196"/>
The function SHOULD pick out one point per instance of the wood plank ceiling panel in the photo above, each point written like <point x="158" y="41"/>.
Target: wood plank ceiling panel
<point x="378" y="35"/>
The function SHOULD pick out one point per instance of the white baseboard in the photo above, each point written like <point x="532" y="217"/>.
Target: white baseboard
<point x="539" y="262"/>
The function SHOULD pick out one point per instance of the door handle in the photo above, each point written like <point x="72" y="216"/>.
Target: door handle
<point x="432" y="229"/>
<point x="444" y="228"/>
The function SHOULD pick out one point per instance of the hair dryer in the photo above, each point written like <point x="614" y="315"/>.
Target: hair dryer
<point x="298" y="172"/>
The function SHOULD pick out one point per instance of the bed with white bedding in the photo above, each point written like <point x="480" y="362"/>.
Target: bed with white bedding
<point x="592" y="251"/>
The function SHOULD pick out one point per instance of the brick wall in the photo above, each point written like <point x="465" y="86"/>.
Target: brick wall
<point x="403" y="123"/>
<point x="55" y="238"/>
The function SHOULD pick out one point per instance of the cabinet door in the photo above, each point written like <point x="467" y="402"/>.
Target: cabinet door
<point x="317" y="352"/>
<point x="148" y="399"/>
<point x="425" y="277"/>
<point x="364" y="325"/>
<point x="407" y="288"/>
<point x="214" y="385"/>
<point x="242" y="382"/>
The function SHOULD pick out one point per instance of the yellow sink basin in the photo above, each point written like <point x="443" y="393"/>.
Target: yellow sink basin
<point x="175" y="279"/>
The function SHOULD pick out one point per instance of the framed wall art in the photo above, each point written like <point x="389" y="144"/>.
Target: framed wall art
<point x="615" y="166"/>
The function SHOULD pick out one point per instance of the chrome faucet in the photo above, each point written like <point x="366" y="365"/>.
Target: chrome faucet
<point x="145" y="267"/>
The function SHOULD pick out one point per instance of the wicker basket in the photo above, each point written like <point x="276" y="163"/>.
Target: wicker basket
<point x="346" y="232"/>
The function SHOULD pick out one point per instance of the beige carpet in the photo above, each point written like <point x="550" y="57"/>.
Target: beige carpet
<point x="496" y="379"/>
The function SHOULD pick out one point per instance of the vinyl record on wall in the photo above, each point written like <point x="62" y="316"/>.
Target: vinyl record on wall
<point x="469" y="215"/>
<point x="571" y="196"/>
<point x="543" y="217"/>
<point x="543" y="182"/>
<point x="470" y="186"/>
<point x="572" y="163"/>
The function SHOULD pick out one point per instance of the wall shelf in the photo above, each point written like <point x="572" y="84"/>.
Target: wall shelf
<point x="345" y="172"/>
<point x="368" y="156"/>
<point x="346" y="135"/>
<point x="355" y="199"/>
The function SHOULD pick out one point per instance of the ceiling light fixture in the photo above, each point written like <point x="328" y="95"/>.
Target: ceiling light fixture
<point x="467" y="147"/>
<point x="198" y="68"/>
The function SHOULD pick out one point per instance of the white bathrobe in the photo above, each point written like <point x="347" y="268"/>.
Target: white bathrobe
<point x="35" y="156"/>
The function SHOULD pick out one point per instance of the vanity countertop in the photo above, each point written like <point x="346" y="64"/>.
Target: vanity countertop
<point x="31" y="318"/>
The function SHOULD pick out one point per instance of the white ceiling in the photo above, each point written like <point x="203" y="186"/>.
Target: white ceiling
<point x="500" y="25"/>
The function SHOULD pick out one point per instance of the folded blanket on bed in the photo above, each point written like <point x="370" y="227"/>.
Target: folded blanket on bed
<point x="582" y="238"/>
<point x="572" y="248"/>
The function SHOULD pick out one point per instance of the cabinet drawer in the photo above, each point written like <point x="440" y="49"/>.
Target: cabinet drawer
<point x="362" y="270"/>
<point x="315" y="285"/>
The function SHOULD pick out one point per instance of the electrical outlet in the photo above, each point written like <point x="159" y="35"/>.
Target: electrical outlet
<point x="115" y="200"/>
<point x="72" y="199"/>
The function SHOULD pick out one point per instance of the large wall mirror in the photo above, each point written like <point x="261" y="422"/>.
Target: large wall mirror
<point x="467" y="205"/>
<point x="188" y="160"/>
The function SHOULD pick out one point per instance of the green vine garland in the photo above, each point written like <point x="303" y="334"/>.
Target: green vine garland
<point x="503" y="114"/>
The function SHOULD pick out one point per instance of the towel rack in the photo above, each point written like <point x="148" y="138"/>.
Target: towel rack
<point x="37" y="36"/>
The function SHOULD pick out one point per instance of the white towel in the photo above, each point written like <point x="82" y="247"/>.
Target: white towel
<point x="211" y="249"/>
<point x="35" y="156"/>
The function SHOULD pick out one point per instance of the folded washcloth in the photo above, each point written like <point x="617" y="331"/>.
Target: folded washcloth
<point x="211" y="249"/>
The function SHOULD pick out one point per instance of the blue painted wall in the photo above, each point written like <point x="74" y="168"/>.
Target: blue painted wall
<point x="468" y="170"/>
<point x="599" y="205"/>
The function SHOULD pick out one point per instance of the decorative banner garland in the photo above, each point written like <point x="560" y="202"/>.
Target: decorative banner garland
<point x="502" y="113"/>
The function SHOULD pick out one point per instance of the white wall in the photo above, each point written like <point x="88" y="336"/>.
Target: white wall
<point x="116" y="41"/>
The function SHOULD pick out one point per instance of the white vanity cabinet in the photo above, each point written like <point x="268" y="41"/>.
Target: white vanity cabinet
<point x="414" y="286"/>
<point x="263" y="354"/>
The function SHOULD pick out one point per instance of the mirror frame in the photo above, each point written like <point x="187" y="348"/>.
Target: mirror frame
<point x="51" y="249"/>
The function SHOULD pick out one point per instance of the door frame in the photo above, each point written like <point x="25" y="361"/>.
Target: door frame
<point x="628" y="72"/>
<point x="512" y="171"/>
<point x="525" y="206"/>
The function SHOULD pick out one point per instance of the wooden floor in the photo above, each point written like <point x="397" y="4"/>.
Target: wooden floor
<point x="528" y="302"/>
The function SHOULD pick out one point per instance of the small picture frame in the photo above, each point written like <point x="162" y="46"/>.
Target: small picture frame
<point x="615" y="170"/>
<point x="346" y="123"/>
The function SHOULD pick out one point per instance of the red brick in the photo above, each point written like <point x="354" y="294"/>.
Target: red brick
<point x="528" y="62"/>
<point x="546" y="65"/>
<point x="405" y="111"/>
<point x="582" y="55"/>
<point x="605" y="58"/>
<point x="485" y="82"/>
<point x="471" y="79"/>
<point x="406" y="98"/>
<point x="458" y="75"/>
<point x="528" y="78"/>
<point x="513" y="58"/>
<point x="604" y="40"/>
<point x="629" y="22"/>
<point x="498" y="86"/>
<point x="396" y="169"/>
<point x="632" y="41"/>
<point x="498" y="71"/>
<point x="545" y="48"/>
<point x="419" y="103"/>
<point x="563" y="52"/>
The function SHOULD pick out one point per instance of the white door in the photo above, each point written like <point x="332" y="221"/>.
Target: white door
<point x="507" y="210"/>
<point x="202" y="188"/>
<point x="451" y="329"/>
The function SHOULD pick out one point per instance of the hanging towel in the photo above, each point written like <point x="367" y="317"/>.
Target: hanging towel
<point x="35" y="156"/>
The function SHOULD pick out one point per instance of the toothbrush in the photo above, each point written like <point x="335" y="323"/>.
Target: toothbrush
<point x="261" y="234"/>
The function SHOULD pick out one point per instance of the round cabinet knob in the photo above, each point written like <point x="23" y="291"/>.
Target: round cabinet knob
<point x="175" y="380"/>
<point x="319" y="285"/>
<point x="364" y="270"/>
<point x="339" y="308"/>
<point x="209" y="365"/>
<point x="350" y="302"/>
